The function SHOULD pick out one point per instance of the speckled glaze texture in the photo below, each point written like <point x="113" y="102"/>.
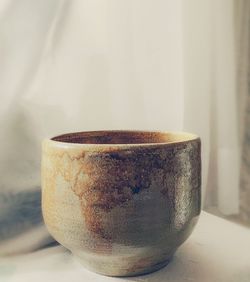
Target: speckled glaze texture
<point x="121" y="201"/>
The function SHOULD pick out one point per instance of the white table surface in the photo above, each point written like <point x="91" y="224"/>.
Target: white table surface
<point x="218" y="250"/>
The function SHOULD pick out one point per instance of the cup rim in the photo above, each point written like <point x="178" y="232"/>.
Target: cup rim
<point x="180" y="138"/>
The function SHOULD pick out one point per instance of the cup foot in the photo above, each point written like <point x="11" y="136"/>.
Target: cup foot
<point x="109" y="269"/>
<point x="150" y="269"/>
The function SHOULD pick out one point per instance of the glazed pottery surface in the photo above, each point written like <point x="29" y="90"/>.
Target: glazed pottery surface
<point x="121" y="201"/>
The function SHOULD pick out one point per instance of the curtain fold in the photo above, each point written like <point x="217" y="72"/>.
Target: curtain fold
<point x="242" y="15"/>
<point x="226" y="108"/>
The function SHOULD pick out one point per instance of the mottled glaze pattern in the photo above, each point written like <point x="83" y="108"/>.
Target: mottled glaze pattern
<point x="122" y="209"/>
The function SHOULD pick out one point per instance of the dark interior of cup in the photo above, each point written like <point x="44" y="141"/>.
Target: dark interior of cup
<point x="123" y="137"/>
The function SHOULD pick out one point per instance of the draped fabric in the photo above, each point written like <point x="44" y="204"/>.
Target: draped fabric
<point x="107" y="64"/>
<point x="243" y="89"/>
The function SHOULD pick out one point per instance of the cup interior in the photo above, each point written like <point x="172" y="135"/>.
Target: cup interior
<point x="124" y="137"/>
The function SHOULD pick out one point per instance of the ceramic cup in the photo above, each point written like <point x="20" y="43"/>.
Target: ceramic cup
<point x="121" y="201"/>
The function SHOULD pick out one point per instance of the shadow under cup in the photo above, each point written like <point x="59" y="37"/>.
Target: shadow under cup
<point x="121" y="201"/>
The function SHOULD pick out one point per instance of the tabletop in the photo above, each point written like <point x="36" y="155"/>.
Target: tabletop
<point x="217" y="251"/>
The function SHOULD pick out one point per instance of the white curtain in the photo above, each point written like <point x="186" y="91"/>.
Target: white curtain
<point x="210" y="100"/>
<point x="114" y="64"/>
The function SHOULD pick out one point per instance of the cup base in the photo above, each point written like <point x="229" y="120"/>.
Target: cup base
<point x="110" y="270"/>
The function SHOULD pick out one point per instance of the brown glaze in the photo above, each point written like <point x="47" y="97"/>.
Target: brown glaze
<point x="132" y="189"/>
